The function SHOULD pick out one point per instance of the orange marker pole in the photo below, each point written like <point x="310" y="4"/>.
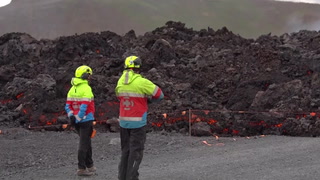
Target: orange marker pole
<point x="93" y="134"/>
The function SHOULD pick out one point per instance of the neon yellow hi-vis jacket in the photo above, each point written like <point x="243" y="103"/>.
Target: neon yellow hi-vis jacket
<point x="80" y="101"/>
<point x="134" y="92"/>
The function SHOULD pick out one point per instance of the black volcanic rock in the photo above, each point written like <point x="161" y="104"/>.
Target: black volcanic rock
<point x="244" y="86"/>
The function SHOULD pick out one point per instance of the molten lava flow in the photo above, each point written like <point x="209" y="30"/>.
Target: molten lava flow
<point x="43" y="120"/>
<point x="278" y="125"/>
<point x="299" y="116"/>
<point x="259" y="123"/>
<point x="225" y="130"/>
<point x="54" y="120"/>
<point x="235" y="132"/>
<point x="157" y="124"/>
<point x="212" y="121"/>
<point x="171" y="120"/>
<point x="108" y="110"/>
<point x="19" y="96"/>
<point x="5" y="101"/>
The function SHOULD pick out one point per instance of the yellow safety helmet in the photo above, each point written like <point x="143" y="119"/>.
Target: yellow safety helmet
<point x="83" y="72"/>
<point x="132" y="62"/>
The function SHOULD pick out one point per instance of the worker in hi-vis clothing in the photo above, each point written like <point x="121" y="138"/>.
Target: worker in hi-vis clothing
<point x="134" y="93"/>
<point x="80" y="109"/>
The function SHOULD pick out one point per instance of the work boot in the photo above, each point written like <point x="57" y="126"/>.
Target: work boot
<point x="92" y="169"/>
<point x="83" y="172"/>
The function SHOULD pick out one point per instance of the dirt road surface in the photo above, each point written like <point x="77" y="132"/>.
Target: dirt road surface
<point x="168" y="156"/>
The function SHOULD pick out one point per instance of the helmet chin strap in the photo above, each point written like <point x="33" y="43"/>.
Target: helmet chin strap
<point x="85" y="76"/>
<point x="136" y="70"/>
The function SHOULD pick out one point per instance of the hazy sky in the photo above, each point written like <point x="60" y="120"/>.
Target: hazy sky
<point x="4" y="2"/>
<point x="304" y="1"/>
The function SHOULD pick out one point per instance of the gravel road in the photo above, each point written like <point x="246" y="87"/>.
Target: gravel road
<point x="168" y="156"/>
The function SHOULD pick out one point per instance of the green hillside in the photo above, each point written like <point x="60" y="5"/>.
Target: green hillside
<point x="249" y="18"/>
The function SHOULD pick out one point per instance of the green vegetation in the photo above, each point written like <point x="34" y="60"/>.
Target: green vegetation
<point x="249" y="18"/>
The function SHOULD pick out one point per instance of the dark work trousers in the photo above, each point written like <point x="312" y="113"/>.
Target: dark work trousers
<point x="132" y="146"/>
<point x="84" y="131"/>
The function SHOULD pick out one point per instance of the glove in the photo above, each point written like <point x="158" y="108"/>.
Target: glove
<point x="72" y="120"/>
<point x="149" y="99"/>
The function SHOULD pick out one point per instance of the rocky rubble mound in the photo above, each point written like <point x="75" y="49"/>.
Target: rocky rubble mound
<point x="215" y="82"/>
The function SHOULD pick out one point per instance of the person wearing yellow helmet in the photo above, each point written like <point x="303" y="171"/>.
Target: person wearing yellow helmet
<point x="132" y="62"/>
<point x="80" y="109"/>
<point x="134" y="93"/>
<point x="83" y="72"/>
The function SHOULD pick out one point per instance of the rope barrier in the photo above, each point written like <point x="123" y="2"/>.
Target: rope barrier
<point x="312" y="113"/>
<point x="190" y="116"/>
<point x="62" y="126"/>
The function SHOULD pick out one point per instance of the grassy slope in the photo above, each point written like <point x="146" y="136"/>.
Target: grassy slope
<point x="196" y="14"/>
<point x="249" y="18"/>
